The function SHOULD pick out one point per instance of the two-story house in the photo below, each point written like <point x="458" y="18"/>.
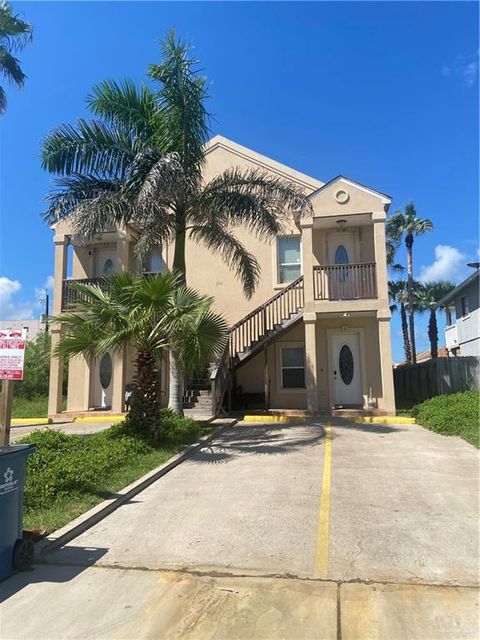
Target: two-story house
<point x="314" y="336"/>
<point x="462" y="314"/>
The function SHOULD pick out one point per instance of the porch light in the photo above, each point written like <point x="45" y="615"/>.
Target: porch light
<point x="341" y="224"/>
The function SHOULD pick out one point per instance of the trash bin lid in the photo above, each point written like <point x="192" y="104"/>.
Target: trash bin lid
<point x="17" y="448"/>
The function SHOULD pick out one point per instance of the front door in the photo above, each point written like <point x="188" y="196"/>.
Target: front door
<point x="102" y="383"/>
<point x="341" y="254"/>
<point x="345" y="370"/>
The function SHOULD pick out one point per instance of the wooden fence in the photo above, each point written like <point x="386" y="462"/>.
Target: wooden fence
<point x="419" y="382"/>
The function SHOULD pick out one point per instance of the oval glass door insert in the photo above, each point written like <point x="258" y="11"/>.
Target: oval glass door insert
<point x="341" y="255"/>
<point x="345" y="364"/>
<point x="105" y="370"/>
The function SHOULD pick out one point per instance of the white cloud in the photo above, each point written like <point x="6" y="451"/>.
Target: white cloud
<point x="464" y="67"/>
<point x="11" y="309"/>
<point x="8" y="309"/>
<point x="449" y="264"/>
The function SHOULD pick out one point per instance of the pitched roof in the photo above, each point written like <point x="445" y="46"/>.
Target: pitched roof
<point x="454" y="292"/>
<point x="354" y="183"/>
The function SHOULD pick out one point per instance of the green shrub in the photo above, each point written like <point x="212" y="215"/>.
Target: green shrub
<point x="72" y="465"/>
<point x="454" y="414"/>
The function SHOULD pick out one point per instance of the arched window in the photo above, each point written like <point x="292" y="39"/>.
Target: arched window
<point x="108" y="267"/>
<point x="341" y="255"/>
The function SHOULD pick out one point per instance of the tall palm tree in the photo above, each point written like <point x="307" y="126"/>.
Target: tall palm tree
<point x="153" y="315"/>
<point x="427" y="297"/>
<point x="406" y="224"/>
<point x="141" y="162"/>
<point x="15" y="34"/>
<point x="397" y="291"/>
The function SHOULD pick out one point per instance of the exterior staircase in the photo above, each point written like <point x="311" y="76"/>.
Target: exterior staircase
<point x="248" y="337"/>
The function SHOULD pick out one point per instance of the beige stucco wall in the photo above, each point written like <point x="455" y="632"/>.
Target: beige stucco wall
<point x="251" y="375"/>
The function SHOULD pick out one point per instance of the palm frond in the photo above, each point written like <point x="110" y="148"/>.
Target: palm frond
<point x="181" y="97"/>
<point x="10" y="68"/>
<point x="15" y="33"/>
<point x="253" y="198"/>
<point x="124" y="104"/>
<point x="233" y="252"/>
<point x="3" y="101"/>
<point x="91" y="147"/>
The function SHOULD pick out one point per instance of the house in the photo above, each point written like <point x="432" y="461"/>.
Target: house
<point x="462" y="330"/>
<point x="315" y="336"/>
<point x="34" y="327"/>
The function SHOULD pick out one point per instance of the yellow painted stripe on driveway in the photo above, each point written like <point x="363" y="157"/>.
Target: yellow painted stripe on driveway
<point x="321" y="558"/>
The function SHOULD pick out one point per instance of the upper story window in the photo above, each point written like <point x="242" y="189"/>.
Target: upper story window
<point x="464" y="306"/>
<point x="153" y="262"/>
<point x="288" y="259"/>
<point x="108" y="267"/>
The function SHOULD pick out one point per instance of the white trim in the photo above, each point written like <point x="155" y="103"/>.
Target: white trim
<point x="276" y="264"/>
<point x="287" y="345"/>
<point x="381" y="196"/>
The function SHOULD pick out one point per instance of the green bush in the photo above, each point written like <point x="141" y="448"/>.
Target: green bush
<point x="37" y="369"/>
<point x="72" y="465"/>
<point x="456" y="414"/>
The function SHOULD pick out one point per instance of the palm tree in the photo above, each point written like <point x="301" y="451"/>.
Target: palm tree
<point x="407" y="225"/>
<point x="428" y="296"/>
<point x="153" y="315"/>
<point x="15" y="34"/>
<point x="397" y="291"/>
<point x="141" y="163"/>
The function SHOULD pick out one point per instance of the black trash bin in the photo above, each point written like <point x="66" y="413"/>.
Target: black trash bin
<point x="15" y="551"/>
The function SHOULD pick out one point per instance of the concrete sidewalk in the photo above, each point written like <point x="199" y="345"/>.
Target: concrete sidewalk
<point x="227" y="544"/>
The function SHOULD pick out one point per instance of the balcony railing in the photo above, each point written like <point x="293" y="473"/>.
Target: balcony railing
<point x="345" y="281"/>
<point x="70" y="296"/>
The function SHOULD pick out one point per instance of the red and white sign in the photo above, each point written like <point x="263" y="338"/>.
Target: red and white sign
<point x="12" y="353"/>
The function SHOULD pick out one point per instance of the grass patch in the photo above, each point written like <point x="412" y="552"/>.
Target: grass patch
<point x="68" y="474"/>
<point x="36" y="407"/>
<point x="456" y="414"/>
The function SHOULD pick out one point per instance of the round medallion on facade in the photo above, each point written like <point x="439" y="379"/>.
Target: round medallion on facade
<point x="342" y="196"/>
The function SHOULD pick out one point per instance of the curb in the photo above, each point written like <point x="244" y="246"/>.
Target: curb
<point x="117" y="418"/>
<point x="384" y="420"/>
<point x="98" y="512"/>
<point x="25" y="422"/>
<point x="274" y="418"/>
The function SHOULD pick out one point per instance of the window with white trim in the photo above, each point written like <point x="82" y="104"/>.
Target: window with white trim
<point x="293" y="367"/>
<point x="288" y="259"/>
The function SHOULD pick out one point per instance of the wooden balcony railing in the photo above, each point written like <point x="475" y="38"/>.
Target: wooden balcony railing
<point x="345" y="281"/>
<point x="70" y="296"/>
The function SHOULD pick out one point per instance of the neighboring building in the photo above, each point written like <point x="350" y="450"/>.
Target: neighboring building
<point x="462" y="331"/>
<point x="34" y="327"/>
<point x="316" y="333"/>
<point x="423" y="356"/>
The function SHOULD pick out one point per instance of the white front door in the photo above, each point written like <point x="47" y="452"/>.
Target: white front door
<point x="345" y="370"/>
<point x="102" y="383"/>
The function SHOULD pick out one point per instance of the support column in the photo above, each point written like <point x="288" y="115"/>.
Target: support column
<point x="311" y="365"/>
<point x="386" y="371"/>
<point x="118" y="357"/>
<point x="307" y="260"/>
<point x="378" y="219"/>
<point x="56" y="365"/>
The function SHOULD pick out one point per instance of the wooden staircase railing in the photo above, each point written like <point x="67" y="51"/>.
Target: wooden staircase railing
<point x="266" y="318"/>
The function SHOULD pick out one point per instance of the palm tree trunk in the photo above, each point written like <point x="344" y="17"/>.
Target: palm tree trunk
<point x="411" y="320"/>
<point x="175" y="399"/>
<point x="433" y="333"/>
<point x="175" y="402"/>
<point x="406" y="340"/>
<point x="144" y="414"/>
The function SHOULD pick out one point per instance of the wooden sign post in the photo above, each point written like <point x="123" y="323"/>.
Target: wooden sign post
<point x="12" y="355"/>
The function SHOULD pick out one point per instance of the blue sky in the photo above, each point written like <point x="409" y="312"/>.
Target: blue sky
<point x="385" y="93"/>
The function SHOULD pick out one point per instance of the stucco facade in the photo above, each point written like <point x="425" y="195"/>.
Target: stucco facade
<point x="335" y="352"/>
<point x="462" y="310"/>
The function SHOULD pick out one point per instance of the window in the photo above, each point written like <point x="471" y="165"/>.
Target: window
<point x="105" y="370"/>
<point x="288" y="256"/>
<point x="464" y="306"/>
<point x="293" y="367"/>
<point x="108" y="267"/>
<point x="153" y="262"/>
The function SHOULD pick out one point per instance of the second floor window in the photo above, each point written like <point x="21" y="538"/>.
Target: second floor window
<point x="153" y="262"/>
<point x="464" y="306"/>
<point x="289" y="259"/>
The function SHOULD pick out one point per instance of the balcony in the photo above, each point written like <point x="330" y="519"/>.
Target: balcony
<point x="345" y="281"/>
<point x="70" y="296"/>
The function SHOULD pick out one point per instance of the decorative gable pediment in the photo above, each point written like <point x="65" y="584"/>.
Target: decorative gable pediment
<point x="343" y="196"/>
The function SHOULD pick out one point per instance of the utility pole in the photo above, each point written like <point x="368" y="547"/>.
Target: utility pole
<point x="46" y="310"/>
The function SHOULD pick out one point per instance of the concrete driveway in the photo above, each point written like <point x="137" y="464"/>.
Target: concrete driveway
<point x="320" y="530"/>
